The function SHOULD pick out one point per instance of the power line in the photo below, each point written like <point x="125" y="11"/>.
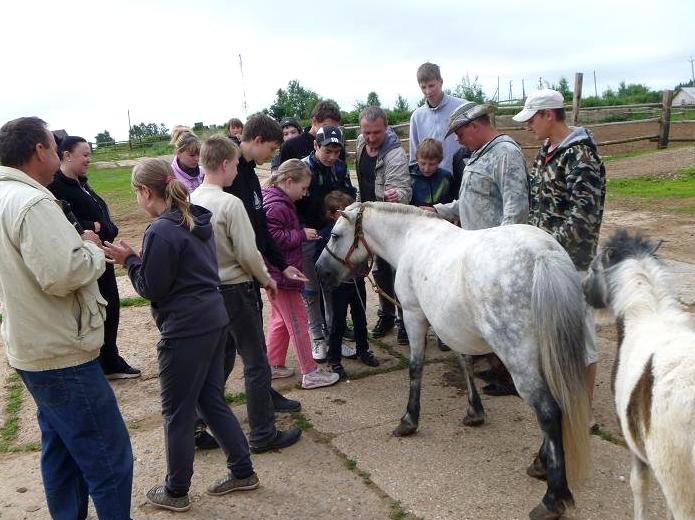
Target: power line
<point x="243" y="88"/>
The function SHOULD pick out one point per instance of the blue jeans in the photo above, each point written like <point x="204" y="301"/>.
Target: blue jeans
<point x="85" y="448"/>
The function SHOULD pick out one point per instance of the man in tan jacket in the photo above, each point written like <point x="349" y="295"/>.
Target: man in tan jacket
<point x="52" y="328"/>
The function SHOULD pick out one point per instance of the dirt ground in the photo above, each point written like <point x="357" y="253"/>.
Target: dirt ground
<point x="348" y="466"/>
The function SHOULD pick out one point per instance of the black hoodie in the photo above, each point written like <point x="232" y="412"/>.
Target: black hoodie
<point x="177" y="272"/>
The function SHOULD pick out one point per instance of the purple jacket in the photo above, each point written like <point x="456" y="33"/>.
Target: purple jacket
<point x="191" y="183"/>
<point x="288" y="233"/>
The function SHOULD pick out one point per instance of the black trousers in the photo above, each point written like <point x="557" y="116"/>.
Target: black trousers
<point x="353" y="295"/>
<point x="108" y="355"/>
<point x="246" y="338"/>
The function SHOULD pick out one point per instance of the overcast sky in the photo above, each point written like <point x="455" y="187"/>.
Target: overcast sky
<point x="81" y="65"/>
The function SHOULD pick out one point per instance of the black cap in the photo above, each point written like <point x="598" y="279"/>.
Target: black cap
<point x="329" y="135"/>
<point x="290" y="121"/>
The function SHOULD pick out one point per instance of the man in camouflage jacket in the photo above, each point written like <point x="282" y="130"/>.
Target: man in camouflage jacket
<point x="567" y="188"/>
<point x="567" y="183"/>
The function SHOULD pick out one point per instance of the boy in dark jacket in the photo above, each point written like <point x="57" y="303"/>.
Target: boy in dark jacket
<point x="329" y="173"/>
<point x="431" y="184"/>
<point x="349" y="293"/>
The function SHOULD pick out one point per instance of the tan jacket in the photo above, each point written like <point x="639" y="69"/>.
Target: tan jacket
<point x="237" y="257"/>
<point x="53" y="314"/>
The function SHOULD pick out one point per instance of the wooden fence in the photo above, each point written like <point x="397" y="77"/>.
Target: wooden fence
<point x="661" y="113"/>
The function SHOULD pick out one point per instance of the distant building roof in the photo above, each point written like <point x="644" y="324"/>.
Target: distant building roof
<point x="685" y="96"/>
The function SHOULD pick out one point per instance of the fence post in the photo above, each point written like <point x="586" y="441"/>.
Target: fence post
<point x="665" y="123"/>
<point x="577" y="97"/>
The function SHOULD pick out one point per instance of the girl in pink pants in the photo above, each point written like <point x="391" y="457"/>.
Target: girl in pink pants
<point x="288" y="318"/>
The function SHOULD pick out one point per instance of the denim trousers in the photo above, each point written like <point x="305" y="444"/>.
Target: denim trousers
<point x="85" y="447"/>
<point x="191" y="378"/>
<point x="246" y="338"/>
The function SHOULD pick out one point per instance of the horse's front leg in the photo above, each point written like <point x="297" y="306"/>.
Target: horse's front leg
<point x="475" y="415"/>
<point x="416" y="325"/>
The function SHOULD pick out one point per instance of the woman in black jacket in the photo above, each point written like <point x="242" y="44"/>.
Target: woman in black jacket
<point x="90" y="212"/>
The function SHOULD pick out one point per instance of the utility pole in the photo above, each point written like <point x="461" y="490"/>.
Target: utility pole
<point x="130" y="144"/>
<point x="595" y="89"/>
<point x="498" y="89"/>
<point x="692" y="69"/>
<point x="540" y="82"/>
<point x="510" y="90"/>
<point x="523" y="90"/>
<point x="243" y="89"/>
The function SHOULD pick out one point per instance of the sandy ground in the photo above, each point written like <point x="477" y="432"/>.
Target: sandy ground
<point x="348" y="465"/>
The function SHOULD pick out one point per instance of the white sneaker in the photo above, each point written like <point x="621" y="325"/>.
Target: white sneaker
<point x="348" y="351"/>
<point x="319" y="349"/>
<point x="280" y="371"/>
<point x="319" y="378"/>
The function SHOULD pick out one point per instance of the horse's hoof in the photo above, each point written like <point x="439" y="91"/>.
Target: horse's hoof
<point x="537" y="469"/>
<point x="540" y="512"/>
<point x="404" y="429"/>
<point x="473" y="420"/>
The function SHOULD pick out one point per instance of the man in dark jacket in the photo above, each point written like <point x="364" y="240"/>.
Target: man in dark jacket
<point x="382" y="174"/>
<point x="260" y="138"/>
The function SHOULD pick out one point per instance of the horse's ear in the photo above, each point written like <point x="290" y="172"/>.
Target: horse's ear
<point x="346" y="215"/>
<point x="656" y="247"/>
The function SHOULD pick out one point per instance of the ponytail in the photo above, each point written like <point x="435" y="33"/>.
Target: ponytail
<point x="158" y="176"/>
<point x="294" y="169"/>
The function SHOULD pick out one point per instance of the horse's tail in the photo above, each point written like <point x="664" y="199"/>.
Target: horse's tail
<point x="558" y="311"/>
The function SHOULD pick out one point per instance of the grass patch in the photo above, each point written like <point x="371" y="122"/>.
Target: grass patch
<point x="123" y="151"/>
<point x="238" y="398"/>
<point x="136" y="301"/>
<point x="679" y="186"/>
<point x="9" y="430"/>
<point x="350" y="464"/>
<point x="113" y="185"/>
<point x="613" y="439"/>
<point x="301" y="422"/>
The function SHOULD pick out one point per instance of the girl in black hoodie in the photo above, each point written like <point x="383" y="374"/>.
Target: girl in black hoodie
<point x="177" y="272"/>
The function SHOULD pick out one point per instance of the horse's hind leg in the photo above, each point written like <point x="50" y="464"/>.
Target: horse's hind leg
<point x="416" y="326"/>
<point x="557" y="496"/>
<point x="639" y="482"/>
<point x="475" y="415"/>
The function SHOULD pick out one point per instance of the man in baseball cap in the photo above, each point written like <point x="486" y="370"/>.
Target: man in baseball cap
<point x="545" y="99"/>
<point x="567" y="190"/>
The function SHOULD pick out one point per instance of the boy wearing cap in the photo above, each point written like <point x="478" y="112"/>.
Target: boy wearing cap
<point x="432" y="118"/>
<point x="567" y="186"/>
<point x="329" y="173"/>
<point x="290" y="129"/>
<point x="494" y="189"/>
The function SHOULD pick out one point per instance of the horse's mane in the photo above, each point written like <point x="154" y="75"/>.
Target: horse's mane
<point x="401" y="209"/>
<point x="623" y="245"/>
<point x="637" y="277"/>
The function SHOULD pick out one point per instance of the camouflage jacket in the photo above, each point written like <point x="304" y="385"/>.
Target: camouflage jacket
<point x="567" y="188"/>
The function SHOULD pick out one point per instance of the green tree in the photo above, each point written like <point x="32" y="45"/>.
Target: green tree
<point x="373" y="99"/>
<point x="295" y="101"/>
<point x="564" y="89"/>
<point x="104" y="138"/>
<point x="149" y="131"/>
<point x="470" y="90"/>
<point x="401" y="104"/>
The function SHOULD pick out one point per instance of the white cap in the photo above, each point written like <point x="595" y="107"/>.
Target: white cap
<point x="540" y="100"/>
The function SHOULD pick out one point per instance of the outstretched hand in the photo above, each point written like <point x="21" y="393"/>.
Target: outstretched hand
<point x="117" y="253"/>
<point x="292" y="273"/>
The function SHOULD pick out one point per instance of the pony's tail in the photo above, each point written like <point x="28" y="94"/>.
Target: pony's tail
<point x="558" y="311"/>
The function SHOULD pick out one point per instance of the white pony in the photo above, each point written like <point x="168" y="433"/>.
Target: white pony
<point x="512" y="289"/>
<point x="654" y="371"/>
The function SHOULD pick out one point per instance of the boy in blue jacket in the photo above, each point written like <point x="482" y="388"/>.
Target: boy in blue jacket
<point x="431" y="184"/>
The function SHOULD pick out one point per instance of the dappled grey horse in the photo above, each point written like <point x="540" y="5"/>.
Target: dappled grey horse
<point x="511" y="290"/>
